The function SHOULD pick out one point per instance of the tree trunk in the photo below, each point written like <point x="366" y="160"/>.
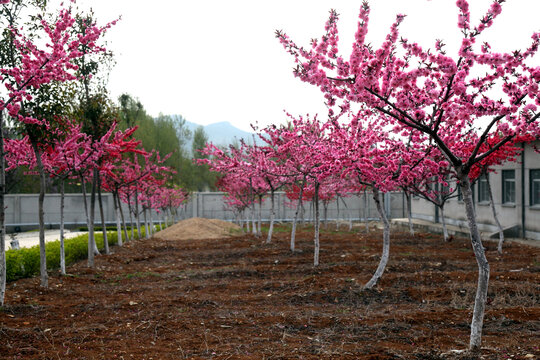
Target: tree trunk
<point x="317" y="223"/>
<point x="325" y="207"/>
<point x="337" y="215"/>
<point x="496" y="217"/>
<point x="246" y="220"/>
<point x="137" y="217"/>
<point x="118" y="221"/>
<point x="62" y="250"/>
<point x="386" y="242"/>
<point x="409" y="212"/>
<point x="44" y="277"/>
<point x="253" y="221"/>
<point x="366" y="210"/>
<point x="122" y="216"/>
<point x="483" y="265"/>
<point x="147" y="231"/>
<point x="3" y="269"/>
<point x="90" y="246"/>
<point x="302" y="214"/>
<point x="272" y="216"/>
<point x="130" y="210"/>
<point x="295" y="220"/>
<point x="101" y="213"/>
<point x="91" y="233"/>
<point x="445" y="229"/>
<point x="151" y="222"/>
<point x="349" y="215"/>
<point x="311" y="212"/>
<point x="259" y="217"/>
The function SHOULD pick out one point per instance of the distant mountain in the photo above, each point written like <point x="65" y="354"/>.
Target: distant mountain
<point x="222" y="133"/>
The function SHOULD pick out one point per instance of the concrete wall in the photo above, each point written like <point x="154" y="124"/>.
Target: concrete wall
<point x="515" y="215"/>
<point x="211" y="205"/>
<point x="22" y="209"/>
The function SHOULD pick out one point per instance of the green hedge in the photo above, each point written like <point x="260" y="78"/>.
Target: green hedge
<point x="24" y="262"/>
<point x="97" y="228"/>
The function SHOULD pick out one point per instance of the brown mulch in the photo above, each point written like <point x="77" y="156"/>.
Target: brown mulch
<point x="238" y="298"/>
<point x="199" y="228"/>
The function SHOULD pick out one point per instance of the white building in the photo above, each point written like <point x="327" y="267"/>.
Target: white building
<point x="516" y="194"/>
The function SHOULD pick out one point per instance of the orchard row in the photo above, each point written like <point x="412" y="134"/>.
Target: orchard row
<point x="400" y="117"/>
<point x="88" y="147"/>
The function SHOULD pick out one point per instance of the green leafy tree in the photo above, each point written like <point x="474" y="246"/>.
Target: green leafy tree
<point x="203" y="179"/>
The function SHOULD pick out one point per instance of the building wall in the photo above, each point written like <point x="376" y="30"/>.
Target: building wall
<point x="509" y="214"/>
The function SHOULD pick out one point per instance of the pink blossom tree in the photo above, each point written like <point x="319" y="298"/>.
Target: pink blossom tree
<point x="35" y="66"/>
<point x="446" y="101"/>
<point x="69" y="153"/>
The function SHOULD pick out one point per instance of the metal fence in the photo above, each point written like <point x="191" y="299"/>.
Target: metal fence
<point x="353" y="206"/>
<point x="22" y="209"/>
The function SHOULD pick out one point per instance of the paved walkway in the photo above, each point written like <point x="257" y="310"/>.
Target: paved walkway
<point x="31" y="238"/>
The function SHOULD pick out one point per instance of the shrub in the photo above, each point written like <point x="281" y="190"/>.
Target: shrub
<point x="25" y="262"/>
<point x="96" y="228"/>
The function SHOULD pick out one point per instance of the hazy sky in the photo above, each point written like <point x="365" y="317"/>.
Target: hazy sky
<point x="219" y="60"/>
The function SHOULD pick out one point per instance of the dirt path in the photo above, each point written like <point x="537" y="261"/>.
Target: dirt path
<point x="237" y="298"/>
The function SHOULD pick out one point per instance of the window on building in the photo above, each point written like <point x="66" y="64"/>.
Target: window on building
<point x="483" y="191"/>
<point x="534" y="176"/>
<point x="508" y="186"/>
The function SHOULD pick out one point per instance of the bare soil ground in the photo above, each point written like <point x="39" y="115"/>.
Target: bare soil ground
<point x="238" y="298"/>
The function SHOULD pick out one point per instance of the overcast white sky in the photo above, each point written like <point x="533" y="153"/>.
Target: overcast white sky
<point x="218" y="60"/>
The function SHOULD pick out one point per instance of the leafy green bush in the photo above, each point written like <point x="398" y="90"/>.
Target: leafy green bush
<point x="24" y="263"/>
<point x="97" y="228"/>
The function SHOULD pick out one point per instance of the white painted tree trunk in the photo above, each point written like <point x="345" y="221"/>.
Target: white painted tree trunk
<point x="337" y="216"/>
<point x="349" y="215"/>
<point x="409" y="212"/>
<point x="272" y="217"/>
<point x="118" y="221"/>
<point x="483" y="265"/>
<point x="3" y="268"/>
<point x="132" y="225"/>
<point x="445" y="228"/>
<point x="496" y="217"/>
<point x="246" y="221"/>
<point x="325" y="210"/>
<point x="254" y="221"/>
<point x="151" y="220"/>
<point x="302" y="214"/>
<point x="259" y="217"/>
<point x="62" y="249"/>
<point x="102" y="215"/>
<point x="90" y="246"/>
<point x="137" y="215"/>
<point x="147" y="230"/>
<point x="366" y="210"/>
<point x="317" y="226"/>
<point x="311" y="212"/>
<point x="44" y="277"/>
<point x="124" y="225"/>
<point x="296" y="213"/>
<point x="386" y="242"/>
